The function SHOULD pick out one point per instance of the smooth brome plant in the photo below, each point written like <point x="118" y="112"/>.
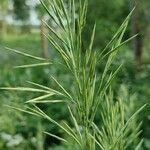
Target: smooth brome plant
<point x="89" y="90"/>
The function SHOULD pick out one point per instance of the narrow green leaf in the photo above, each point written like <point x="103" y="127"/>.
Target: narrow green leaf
<point x="22" y="110"/>
<point x="120" y="45"/>
<point x="24" y="54"/>
<point x="57" y="137"/>
<point x="24" y="89"/>
<point x="97" y="142"/>
<point x="57" y="47"/>
<point x="75" y="122"/>
<point x="40" y="98"/>
<point x="119" y="31"/>
<point x="73" y="134"/>
<point x="62" y="88"/>
<point x="46" y="88"/>
<point x="92" y="37"/>
<point x="49" y="101"/>
<point x="33" y="65"/>
<point x="55" y="33"/>
<point x="139" y="145"/>
<point x="137" y="112"/>
<point x="49" y="13"/>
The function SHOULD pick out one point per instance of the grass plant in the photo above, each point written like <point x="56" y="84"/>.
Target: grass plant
<point x="89" y="90"/>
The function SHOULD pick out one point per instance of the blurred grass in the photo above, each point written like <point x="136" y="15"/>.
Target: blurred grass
<point x="26" y="41"/>
<point x="29" y="43"/>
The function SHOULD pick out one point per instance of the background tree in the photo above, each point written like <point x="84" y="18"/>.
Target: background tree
<point x="139" y="24"/>
<point x="144" y="6"/>
<point x="136" y="28"/>
<point x="3" y="12"/>
<point x="101" y="12"/>
<point x="21" y="12"/>
<point x="42" y="16"/>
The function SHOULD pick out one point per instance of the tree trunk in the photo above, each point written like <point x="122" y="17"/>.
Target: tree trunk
<point x="3" y="25"/>
<point x="44" y="41"/>
<point x="136" y="29"/>
<point x="4" y="29"/>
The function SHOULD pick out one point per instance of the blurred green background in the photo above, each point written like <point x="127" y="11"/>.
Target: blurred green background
<point x="21" y="28"/>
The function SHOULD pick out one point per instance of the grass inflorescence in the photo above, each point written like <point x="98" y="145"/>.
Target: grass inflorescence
<point x="89" y="90"/>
